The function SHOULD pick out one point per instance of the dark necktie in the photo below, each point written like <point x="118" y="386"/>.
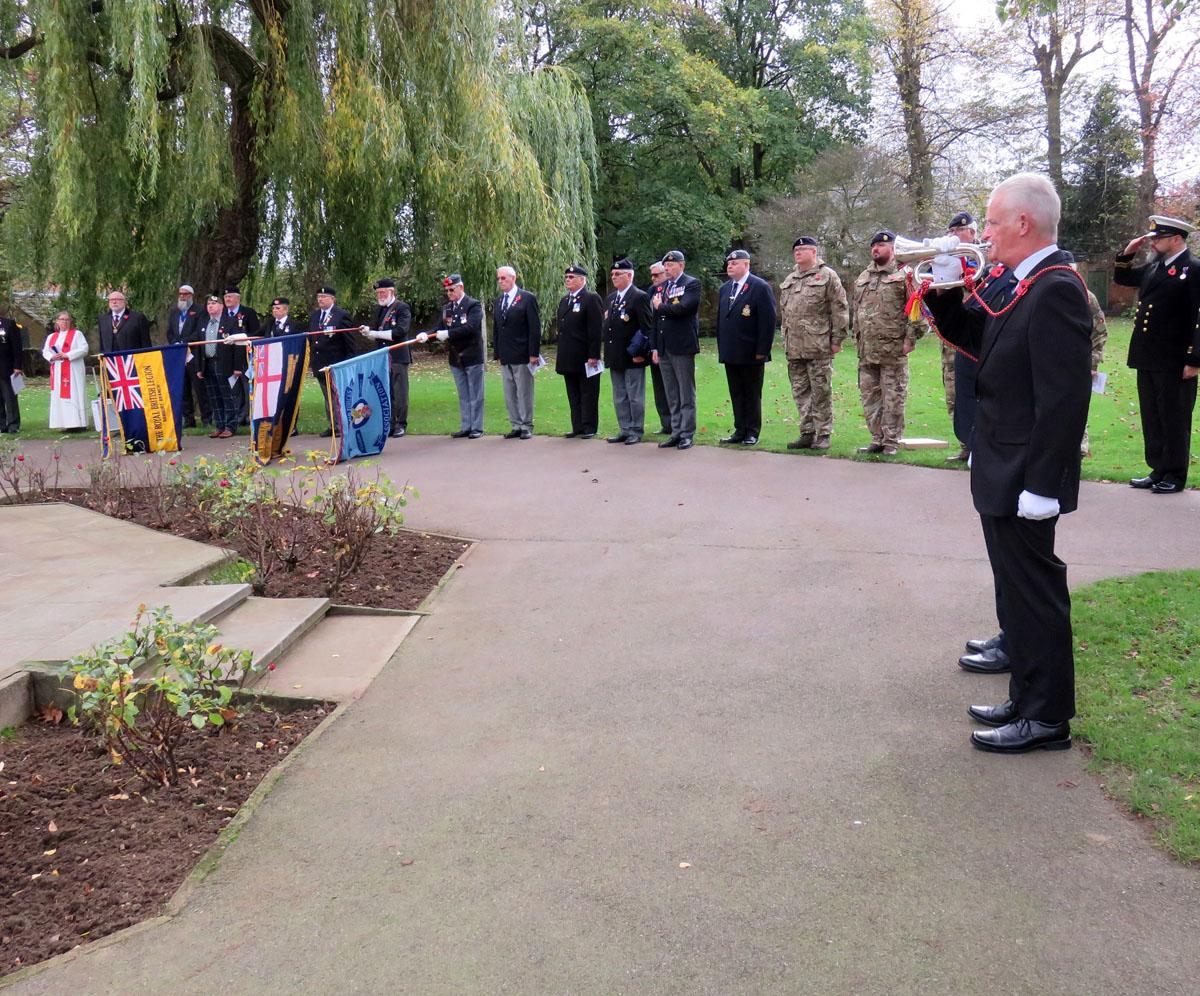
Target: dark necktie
<point x="504" y="307"/>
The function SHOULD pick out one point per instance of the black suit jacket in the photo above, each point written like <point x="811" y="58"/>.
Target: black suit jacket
<point x="273" y="330"/>
<point x="397" y="319"/>
<point x="133" y="333"/>
<point x="676" y="326"/>
<point x="745" y="327"/>
<point x="327" y="349"/>
<point x="10" y="347"/>
<point x="463" y="319"/>
<point x="1166" y="326"/>
<point x="181" y="325"/>
<point x="246" y="320"/>
<point x="578" y="332"/>
<point x="228" y="358"/>
<point x="1032" y="387"/>
<point x="517" y="335"/>
<point x="620" y="324"/>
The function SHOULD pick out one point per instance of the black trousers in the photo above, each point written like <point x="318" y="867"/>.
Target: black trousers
<point x="10" y="407"/>
<point x="1166" y="401"/>
<point x="583" y="395"/>
<point x="1035" y="613"/>
<point x="745" y="395"/>
<point x="323" y="381"/>
<point x="399" y="377"/>
<point x="192" y="384"/>
<point x="661" y="404"/>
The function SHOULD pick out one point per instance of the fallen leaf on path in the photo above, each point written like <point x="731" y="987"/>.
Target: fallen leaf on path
<point x="50" y="853"/>
<point x="1066" y="783"/>
<point x="685" y="864"/>
<point x="119" y="796"/>
<point x="406" y="862"/>
<point x="52" y="827"/>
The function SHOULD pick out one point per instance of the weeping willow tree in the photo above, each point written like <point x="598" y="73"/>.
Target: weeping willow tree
<point x="291" y="140"/>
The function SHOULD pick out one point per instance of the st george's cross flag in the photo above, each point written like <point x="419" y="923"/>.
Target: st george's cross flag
<point x="360" y="401"/>
<point x="277" y="373"/>
<point x="146" y="388"/>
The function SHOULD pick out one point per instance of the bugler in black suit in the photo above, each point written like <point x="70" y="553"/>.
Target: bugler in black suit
<point x="1165" y="339"/>
<point x="579" y="318"/>
<point x="745" y="330"/>
<point x="1033" y="384"/>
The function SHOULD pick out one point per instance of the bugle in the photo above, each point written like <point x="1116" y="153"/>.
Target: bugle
<point x="920" y="256"/>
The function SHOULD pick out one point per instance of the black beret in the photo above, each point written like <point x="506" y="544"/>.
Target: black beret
<point x="326" y="289"/>
<point x="575" y="270"/>
<point x="215" y="296"/>
<point x="280" y="300"/>
<point x="452" y="281"/>
<point x="961" y="220"/>
<point x="804" y="240"/>
<point x="623" y="264"/>
<point x="232" y="289"/>
<point x="884" y="236"/>
<point x="737" y="254"/>
<point x="674" y="256"/>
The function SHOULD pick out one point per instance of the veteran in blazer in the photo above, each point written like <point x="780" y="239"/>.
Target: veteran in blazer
<point x="580" y="313"/>
<point x="120" y="328"/>
<point x="182" y="325"/>
<point x="393" y="320"/>
<point x="517" y="345"/>
<point x="627" y="330"/>
<point x="676" y="305"/>
<point x="1033" y="384"/>
<point x="745" y="330"/>
<point x="1164" y="348"/>
<point x="329" y="347"/>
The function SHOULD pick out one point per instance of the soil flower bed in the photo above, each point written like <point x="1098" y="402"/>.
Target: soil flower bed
<point x="87" y="848"/>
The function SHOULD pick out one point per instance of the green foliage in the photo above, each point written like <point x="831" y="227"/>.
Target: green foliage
<point x="144" y="692"/>
<point x="1138" y="689"/>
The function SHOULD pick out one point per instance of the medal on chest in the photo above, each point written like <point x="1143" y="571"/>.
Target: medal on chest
<point x="746" y="311"/>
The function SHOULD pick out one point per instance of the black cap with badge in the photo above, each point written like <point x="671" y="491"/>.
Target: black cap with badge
<point x="575" y="270"/>
<point x="280" y="300"/>
<point x="885" y="236"/>
<point x="737" y="254"/>
<point x="674" y="256"/>
<point x="327" y="290"/>
<point x="623" y="264"/>
<point x="383" y="283"/>
<point x="804" y="240"/>
<point x="961" y="220"/>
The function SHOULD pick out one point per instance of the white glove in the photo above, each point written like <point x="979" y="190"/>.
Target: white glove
<point x="365" y="329"/>
<point x="422" y="337"/>
<point x="1031" y="506"/>
<point x="943" y="243"/>
<point x="442" y="335"/>
<point x="946" y="269"/>
<point x="381" y="335"/>
<point x="236" y="337"/>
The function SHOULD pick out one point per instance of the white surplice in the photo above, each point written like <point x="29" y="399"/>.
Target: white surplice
<point x="68" y="397"/>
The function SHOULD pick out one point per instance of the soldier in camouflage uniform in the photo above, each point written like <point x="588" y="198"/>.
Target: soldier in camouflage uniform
<point x="815" y="319"/>
<point x="884" y="337"/>
<point x="1099" y="338"/>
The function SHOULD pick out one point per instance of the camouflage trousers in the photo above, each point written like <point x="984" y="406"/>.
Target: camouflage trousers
<point x="948" y="377"/>
<point x="883" y="387"/>
<point x="812" y="389"/>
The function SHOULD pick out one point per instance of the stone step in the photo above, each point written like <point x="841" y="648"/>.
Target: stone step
<point x="16" y="699"/>
<point x="268" y="627"/>
<point x="339" y="658"/>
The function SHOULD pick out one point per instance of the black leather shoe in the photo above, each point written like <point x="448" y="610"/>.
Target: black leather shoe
<point x="685" y="442"/>
<point x="461" y="434"/>
<point x="617" y="439"/>
<point x="474" y="434"/>
<point x="587" y="435"/>
<point x="667" y="443"/>
<point x="803" y="443"/>
<point x="1166" y="488"/>
<point x="1022" y="735"/>
<point x="570" y="435"/>
<point x="525" y="434"/>
<point x="1144" y="483"/>
<point x="632" y="440"/>
<point x="327" y="433"/>
<point x="397" y="432"/>
<point x="998" y="715"/>
<point x="750" y="441"/>
<point x="979" y="646"/>
<point x="871" y="448"/>
<point x="515" y="434"/>
<point x="988" y="662"/>
<point x="735" y="438"/>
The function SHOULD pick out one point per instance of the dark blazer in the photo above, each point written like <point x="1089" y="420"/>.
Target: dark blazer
<point x="273" y="330"/>
<point x="10" y="347"/>
<point x="463" y="319"/>
<point x="228" y="358"/>
<point x="1032" y="387"/>
<point x="676" y="327"/>
<point x="181" y="325"/>
<point x="397" y="319"/>
<point x="134" y="331"/>
<point x="246" y="320"/>
<point x="1166" y="325"/>
<point x="578" y="331"/>
<point x="518" y="335"/>
<point x="327" y="349"/>
<point x="620" y="324"/>
<point x="745" y="327"/>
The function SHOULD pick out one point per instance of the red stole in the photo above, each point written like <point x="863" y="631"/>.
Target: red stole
<point x="62" y="342"/>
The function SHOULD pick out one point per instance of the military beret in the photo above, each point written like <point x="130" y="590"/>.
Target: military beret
<point x="884" y="236"/>
<point x="623" y="264"/>
<point x="1161" y="226"/>
<point x="674" y="256"/>
<point x="961" y="220"/>
<point x="804" y="240"/>
<point x="737" y="254"/>
<point x="232" y="289"/>
<point x="452" y="281"/>
<point x="280" y="300"/>
<point x="326" y="289"/>
<point x="215" y="296"/>
<point x="575" y="270"/>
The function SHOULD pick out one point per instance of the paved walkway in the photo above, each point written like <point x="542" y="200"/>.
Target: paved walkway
<point x="741" y="662"/>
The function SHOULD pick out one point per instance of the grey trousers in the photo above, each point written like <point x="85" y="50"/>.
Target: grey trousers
<point x="518" y="394"/>
<point x="629" y="399"/>
<point x="469" y="381"/>
<point x="679" y="378"/>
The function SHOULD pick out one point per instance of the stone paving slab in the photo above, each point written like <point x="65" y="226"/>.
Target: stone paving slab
<point x="269" y="627"/>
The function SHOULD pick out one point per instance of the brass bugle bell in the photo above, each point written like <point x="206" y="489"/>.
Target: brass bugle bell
<point x="910" y="252"/>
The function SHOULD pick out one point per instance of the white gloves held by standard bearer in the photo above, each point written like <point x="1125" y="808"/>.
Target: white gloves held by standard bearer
<point x="1031" y="506"/>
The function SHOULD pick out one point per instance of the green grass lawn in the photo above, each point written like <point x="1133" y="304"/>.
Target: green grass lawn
<point x="433" y="408"/>
<point x="1138" y="691"/>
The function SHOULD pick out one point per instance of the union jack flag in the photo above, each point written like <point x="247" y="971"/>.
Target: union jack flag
<point x="123" y="382"/>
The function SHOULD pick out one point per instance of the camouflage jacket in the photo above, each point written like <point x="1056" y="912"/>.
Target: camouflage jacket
<point x="814" y="314"/>
<point x="1099" y="331"/>
<point x="881" y="327"/>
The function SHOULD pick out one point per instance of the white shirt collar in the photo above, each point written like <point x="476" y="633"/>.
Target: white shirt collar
<point x="1025" y="267"/>
<point x="1168" y="262"/>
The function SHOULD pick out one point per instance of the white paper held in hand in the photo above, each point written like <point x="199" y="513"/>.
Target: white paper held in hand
<point x="592" y="371"/>
<point x="18" y="382"/>
<point x="1099" y="382"/>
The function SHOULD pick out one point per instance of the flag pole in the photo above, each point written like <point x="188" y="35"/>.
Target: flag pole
<point x="387" y="349"/>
